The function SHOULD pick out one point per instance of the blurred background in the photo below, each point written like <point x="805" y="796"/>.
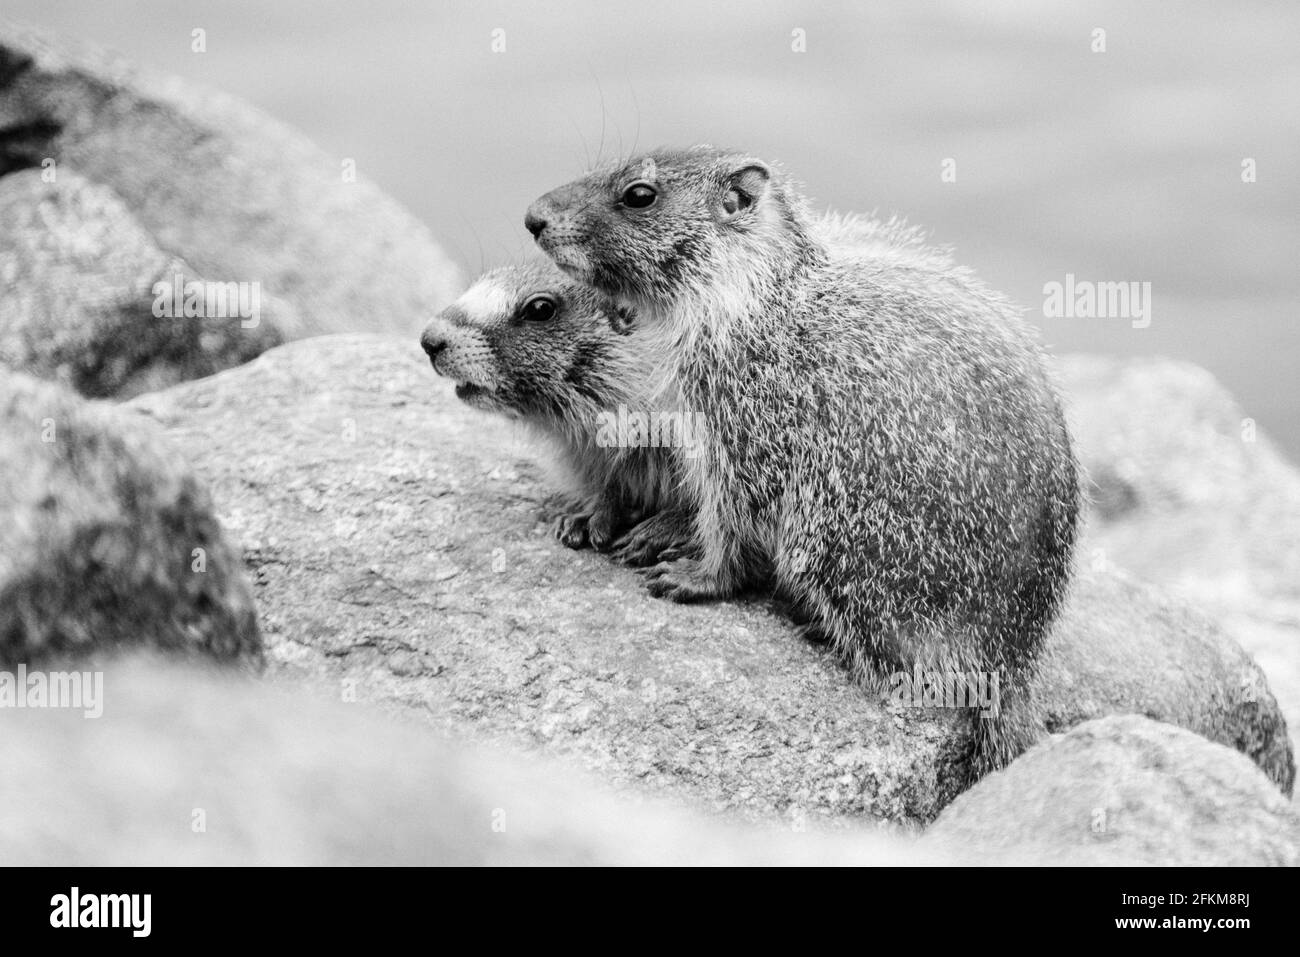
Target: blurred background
<point x="1123" y="165"/>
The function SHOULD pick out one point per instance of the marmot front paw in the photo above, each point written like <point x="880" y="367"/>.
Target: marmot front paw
<point x="683" y="581"/>
<point x="603" y="528"/>
<point x="596" y="529"/>
<point x="573" y="530"/>
<point x="660" y="538"/>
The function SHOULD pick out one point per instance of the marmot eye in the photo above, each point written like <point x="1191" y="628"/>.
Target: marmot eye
<point x="539" y="309"/>
<point x="639" y="195"/>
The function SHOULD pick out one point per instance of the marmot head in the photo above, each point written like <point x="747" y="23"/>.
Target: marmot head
<point x="530" y="343"/>
<point x="671" y="223"/>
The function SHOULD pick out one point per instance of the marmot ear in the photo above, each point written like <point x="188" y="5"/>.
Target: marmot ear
<point x="744" y="188"/>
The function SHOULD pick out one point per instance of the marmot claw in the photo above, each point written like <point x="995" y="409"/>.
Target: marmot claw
<point x="572" y="530"/>
<point x="682" y="581"/>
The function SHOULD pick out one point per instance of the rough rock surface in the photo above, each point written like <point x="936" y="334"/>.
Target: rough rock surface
<point x="1192" y="497"/>
<point x="107" y="539"/>
<point x="79" y="273"/>
<point x="1125" y="788"/>
<point x="400" y="544"/>
<point x="1121" y="646"/>
<point x="212" y="183"/>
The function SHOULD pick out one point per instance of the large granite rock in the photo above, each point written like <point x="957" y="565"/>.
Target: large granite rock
<point x="400" y="543"/>
<point x="1192" y="496"/>
<point x="150" y="174"/>
<point x="1125" y="789"/>
<point x="1122" y="647"/>
<point x="107" y="539"/>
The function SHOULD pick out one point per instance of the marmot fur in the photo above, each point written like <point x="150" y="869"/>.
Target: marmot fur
<point x="568" y="370"/>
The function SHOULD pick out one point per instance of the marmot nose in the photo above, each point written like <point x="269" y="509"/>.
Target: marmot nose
<point x="434" y="344"/>
<point x="534" y="221"/>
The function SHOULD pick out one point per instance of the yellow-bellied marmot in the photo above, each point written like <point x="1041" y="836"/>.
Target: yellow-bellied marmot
<point x="881" y="437"/>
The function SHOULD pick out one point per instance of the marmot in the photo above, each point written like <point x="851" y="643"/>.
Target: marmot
<point x="881" y="436"/>
<point x="529" y="343"/>
<point x="570" y="361"/>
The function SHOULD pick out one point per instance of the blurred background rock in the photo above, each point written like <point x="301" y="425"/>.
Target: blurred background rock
<point x="129" y="196"/>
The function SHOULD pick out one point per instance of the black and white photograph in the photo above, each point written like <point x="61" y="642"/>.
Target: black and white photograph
<point x="550" y="433"/>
